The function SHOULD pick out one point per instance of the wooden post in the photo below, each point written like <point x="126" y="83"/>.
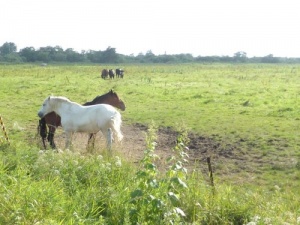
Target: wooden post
<point x="4" y="130"/>
<point x="211" y="175"/>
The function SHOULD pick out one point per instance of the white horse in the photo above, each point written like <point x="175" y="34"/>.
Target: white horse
<point x="88" y="119"/>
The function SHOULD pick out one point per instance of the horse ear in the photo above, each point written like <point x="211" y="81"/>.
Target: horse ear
<point x="111" y="91"/>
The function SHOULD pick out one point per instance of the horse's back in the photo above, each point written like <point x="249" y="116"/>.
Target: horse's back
<point x="103" y="110"/>
<point x="98" y="116"/>
<point x="106" y="116"/>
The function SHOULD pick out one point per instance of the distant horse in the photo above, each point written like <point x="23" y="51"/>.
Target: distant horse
<point x="111" y="74"/>
<point x="119" y="73"/>
<point x="53" y="120"/>
<point x="104" y="73"/>
<point x="88" y="119"/>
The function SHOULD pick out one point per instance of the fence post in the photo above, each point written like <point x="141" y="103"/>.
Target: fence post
<point x="211" y="175"/>
<point x="4" y="130"/>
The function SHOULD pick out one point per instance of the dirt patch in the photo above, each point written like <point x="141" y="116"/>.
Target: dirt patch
<point x="224" y="157"/>
<point x="231" y="162"/>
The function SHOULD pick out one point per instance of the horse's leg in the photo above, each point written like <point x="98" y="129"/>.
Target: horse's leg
<point x="68" y="139"/>
<point x="51" y="136"/>
<point x="109" y="139"/>
<point x="42" y="130"/>
<point x="107" y="132"/>
<point x="44" y="143"/>
<point x="91" y="139"/>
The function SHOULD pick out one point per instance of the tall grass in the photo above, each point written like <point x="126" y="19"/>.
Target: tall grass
<point x="45" y="187"/>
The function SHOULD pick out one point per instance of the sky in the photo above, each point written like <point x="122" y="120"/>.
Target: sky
<point x="198" y="27"/>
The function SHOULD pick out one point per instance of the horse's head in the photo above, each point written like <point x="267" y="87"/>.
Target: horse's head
<point x="46" y="108"/>
<point x="115" y="101"/>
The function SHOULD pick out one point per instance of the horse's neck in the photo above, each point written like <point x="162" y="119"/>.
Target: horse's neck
<point x="97" y="100"/>
<point x="65" y="108"/>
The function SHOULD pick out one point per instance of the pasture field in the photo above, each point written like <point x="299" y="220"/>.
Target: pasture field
<point x="250" y="111"/>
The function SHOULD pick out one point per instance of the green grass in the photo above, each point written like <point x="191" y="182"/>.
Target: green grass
<point x="254" y="108"/>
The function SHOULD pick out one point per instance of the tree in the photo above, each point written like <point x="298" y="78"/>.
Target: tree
<point x="95" y="56"/>
<point x="240" y="56"/>
<point x="110" y="55"/>
<point x="149" y="57"/>
<point x="8" y="48"/>
<point x="269" y="59"/>
<point x="43" y="56"/>
<point x="73" y="56"/>
<point x="13" y="58"/>
<point x="29" y="54"/>
<point x="185" y="58"/>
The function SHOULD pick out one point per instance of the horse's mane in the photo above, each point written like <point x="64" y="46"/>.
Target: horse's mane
<point x="100" y="98"/>
<point x="61" y="99"/>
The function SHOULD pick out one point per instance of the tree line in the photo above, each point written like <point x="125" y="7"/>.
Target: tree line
<point x="9" y="53"/>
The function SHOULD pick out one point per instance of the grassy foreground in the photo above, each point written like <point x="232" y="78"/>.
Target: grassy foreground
<point x="255" y="107"/>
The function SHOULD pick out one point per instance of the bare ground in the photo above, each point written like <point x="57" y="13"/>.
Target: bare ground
<point x="226" y="159"/>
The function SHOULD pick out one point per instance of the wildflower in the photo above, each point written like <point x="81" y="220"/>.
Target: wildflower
<point x="118" y="162"/>
<point x="254" y="221"/>
<point x="108" y="166"/>
<point x="41" y="152"/>
<point x="251" y="223"/>
<point x="256" y="218"/>
<point x="56" y="172"/>
<point x="267" y="220"/>
<point x="277" y="188"/>
<point x="60" y="162"/>
<point x="75" y="214"/>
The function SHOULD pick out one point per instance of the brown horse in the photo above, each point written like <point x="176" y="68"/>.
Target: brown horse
<point x="53" y="120"/>
<point x="104" y="73"/>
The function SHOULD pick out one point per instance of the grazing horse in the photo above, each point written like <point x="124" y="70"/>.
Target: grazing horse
<point x="53" y="120"/>
<point x="111" y="74"/>
<point x="104" y="73"/>
<point x="88" y="119"/>
<point x="119" y="73"/>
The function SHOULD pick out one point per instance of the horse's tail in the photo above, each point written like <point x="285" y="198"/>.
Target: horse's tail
<point x="116" y="125"/>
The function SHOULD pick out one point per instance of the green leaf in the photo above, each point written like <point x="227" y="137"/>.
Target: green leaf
<point x="157" y="203"/>
<point x="179" y="211"/>
<point x="150" y="166"/>
<point x="136" y="193"/>
<point x="173" y="198"/>
<point x="178" y="181"/>
<point x="142" y="174"/>
<point x="153" y="183"/>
